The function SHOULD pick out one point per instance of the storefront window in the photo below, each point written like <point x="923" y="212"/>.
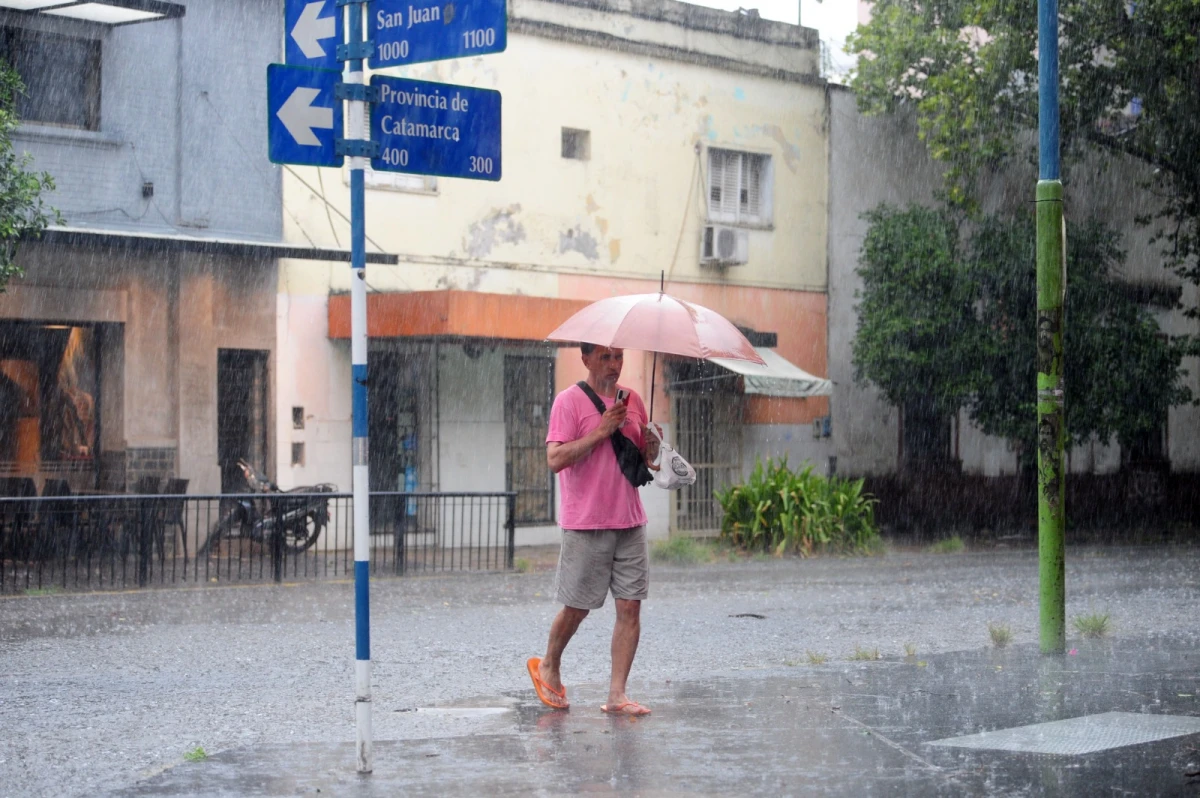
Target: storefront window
<point x="48" y="398"/>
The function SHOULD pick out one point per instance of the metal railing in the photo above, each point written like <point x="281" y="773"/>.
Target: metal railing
<point x="114" y="542"/>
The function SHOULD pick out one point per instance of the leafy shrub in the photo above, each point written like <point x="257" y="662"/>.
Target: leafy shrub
<point x="1093" y="625"/>
<point x="780" y="510"/>
<point x="1001" y="634"/>
<point x="952" y="545"/>
<point x="681" y="550"/>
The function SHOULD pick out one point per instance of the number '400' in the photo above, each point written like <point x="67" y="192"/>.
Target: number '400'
<point x="481" y="165"/>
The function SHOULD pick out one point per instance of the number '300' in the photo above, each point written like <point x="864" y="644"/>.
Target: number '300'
<point x="481" y="165"/>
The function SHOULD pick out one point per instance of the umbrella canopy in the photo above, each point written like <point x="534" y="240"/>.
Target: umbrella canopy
<point x="657" y="323"/>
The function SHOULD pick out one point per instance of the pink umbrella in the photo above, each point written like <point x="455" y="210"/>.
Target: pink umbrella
<point x="657" y="323"/>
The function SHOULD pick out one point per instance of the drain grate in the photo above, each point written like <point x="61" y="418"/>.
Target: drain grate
<point x="1084" y="735"/>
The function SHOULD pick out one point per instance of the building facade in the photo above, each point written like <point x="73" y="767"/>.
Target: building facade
<point x="140" y="343"/>
<point x="643" y="142"/>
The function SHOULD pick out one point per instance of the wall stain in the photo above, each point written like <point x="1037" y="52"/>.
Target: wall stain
<point x="498" y="227"/>
<point x="791" y="153"/>
<point x="578" y="241"/>
<point x="603" y="225"/>
<point x="614" y="250"/>
<point x="592" y="207"/>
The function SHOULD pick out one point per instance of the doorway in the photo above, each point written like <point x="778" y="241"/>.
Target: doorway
<point x="241" y="414"/>
<point x="528" y="395"/>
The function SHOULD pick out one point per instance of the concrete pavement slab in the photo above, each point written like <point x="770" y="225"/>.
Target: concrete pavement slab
<point x="872" y="728"/>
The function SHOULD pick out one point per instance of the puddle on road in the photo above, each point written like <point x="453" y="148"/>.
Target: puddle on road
<point x="464" y="712"/>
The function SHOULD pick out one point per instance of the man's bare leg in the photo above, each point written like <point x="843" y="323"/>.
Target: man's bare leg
<point x="626" y="632"/>
<point x="566" y="623"/>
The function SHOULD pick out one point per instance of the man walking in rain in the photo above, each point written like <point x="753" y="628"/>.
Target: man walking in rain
<point x="603" y="523"/>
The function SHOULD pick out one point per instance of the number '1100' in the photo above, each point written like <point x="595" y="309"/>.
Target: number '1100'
<point x="481" y="37"/>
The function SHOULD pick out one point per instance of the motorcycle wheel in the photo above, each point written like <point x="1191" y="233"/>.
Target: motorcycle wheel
<point x="301" y="536"/>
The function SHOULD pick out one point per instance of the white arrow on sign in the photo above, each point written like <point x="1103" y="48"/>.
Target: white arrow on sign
<point x="300" y="116"/>
<point x="310" y="30"/>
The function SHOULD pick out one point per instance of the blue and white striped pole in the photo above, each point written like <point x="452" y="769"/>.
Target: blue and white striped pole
<point x="357" y="130"/>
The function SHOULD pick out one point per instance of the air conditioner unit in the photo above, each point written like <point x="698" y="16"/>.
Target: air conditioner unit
<point x="724" y="246"/>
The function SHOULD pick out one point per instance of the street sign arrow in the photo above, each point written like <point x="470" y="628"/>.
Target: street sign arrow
<point x="312" y="39"/>
<point x="310" y="30"/>
<point x="426" y="128"/>
<point x="415" y="31"/>
<point x="303" y="117"/>
<point x="300" y="116"/>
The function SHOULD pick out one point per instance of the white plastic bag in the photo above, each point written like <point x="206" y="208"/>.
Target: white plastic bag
<point x="673" y="471"/>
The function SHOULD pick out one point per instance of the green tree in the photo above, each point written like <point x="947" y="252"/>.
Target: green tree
<point x="969" y="69"/>
<point x="24" y="212"/>
<point x="1123" y="374"/>
<point x="950" y="325"/>
<point x="916" y="320"/>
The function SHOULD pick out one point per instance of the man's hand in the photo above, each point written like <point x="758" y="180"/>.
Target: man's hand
<point x="650" y="451"/>
<point x="564" y="455"/>
<point x="613" y="418"/>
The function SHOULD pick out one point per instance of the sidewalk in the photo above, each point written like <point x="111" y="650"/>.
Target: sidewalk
<point x="851" y="729"/>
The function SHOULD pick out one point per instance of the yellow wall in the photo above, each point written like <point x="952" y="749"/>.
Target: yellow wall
<point x="634" y="209"/>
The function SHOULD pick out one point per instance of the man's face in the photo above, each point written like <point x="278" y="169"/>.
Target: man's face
<point x="605" y="364"/>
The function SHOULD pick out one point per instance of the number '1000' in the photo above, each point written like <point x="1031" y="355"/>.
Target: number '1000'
<point x="389" y="51"/>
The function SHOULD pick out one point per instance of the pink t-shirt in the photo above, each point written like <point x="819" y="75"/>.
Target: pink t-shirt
<point x="595" y="494"/>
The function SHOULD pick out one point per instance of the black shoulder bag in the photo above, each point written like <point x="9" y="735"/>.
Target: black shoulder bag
<point x="629" y="459"/>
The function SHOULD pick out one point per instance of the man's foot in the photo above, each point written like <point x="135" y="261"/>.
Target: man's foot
<point x="551" y="677"/>
<point x="625" y="708"/>
<point x="549" y="695"/>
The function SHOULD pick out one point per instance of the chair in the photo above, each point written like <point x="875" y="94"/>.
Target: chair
<point x="173" y="513"/>
<point x="56" y="488"/>
<point x="16" y="518"/>
<point x="147" y="485"/>
<point x="60" y="527"/>
<point x="17" y="487"/>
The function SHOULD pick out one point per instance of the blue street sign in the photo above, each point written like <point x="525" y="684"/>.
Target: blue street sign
<point x="303" y="118"/>
<point x="414" y="31"/>
<point x="441" y="129"/>
<point x="312" y="30"/>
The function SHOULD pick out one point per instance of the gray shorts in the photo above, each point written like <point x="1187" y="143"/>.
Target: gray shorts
<point x="595" y="560"/>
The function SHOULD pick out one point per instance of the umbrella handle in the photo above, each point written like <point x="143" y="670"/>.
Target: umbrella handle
<point x="662" y="288"/>
<point x="653" y="368"/>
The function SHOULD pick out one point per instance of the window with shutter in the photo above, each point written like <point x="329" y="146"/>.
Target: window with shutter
<point x="737" y="187"/>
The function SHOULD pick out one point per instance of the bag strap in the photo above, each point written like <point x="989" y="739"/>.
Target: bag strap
<point x="592" y="395"/>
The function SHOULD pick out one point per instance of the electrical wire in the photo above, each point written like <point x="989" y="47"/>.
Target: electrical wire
<point x="696" y="169"/>
<point x="328" y="214"/>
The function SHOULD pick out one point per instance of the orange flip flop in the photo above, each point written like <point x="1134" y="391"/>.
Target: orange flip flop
<point x="631" y="708"/>
<point x="549" y="696"/>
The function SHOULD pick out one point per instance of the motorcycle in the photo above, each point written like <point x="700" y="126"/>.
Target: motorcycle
<point x="299" y="519"/>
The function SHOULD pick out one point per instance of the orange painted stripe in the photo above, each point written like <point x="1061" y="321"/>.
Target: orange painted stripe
<point x="454" y="313"/>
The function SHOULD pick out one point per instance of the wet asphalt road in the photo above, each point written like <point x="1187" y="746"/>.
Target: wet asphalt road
<point x="101" y="691"/>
